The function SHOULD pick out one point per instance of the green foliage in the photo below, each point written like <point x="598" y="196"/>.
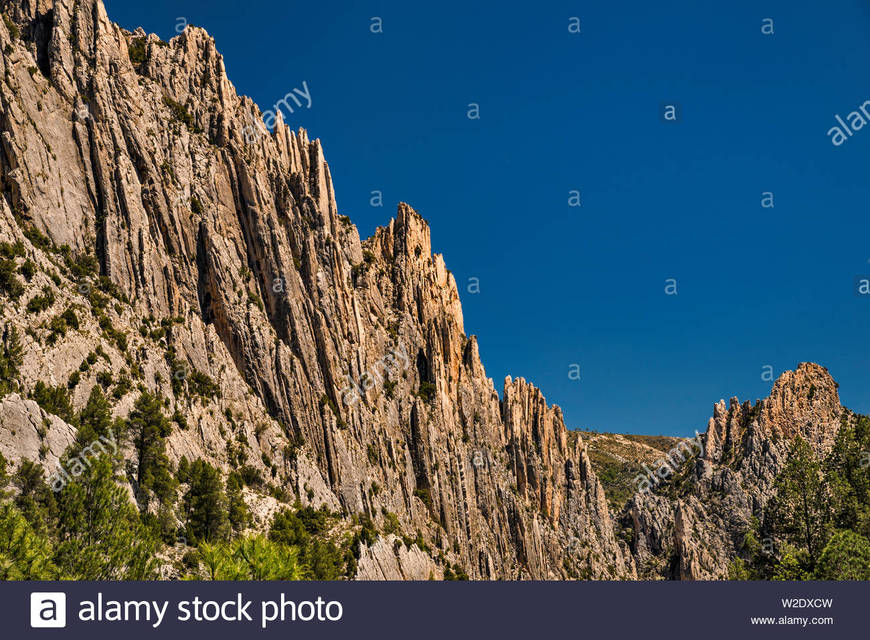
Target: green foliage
<point x="137" y="48"/>
<point x="177" y="417"/>
<point x="846" y="557"/>
<point x="54" y="400"/>
<point x="81" y="265"/>
<point x="251" y="558"/>
<point x="90" y="531"/>
<point x="196" y="206"/>
<point x="148" y="429"/>
<point x="255" y="300"/>
<point x="426" y="391"/>
<point x="14" y="32"/>
<point x="70" y="318"/>
<point x="425" y="495"/>
<point x="38" y="239"/>
<point x="848" y="475"/>
<point x="180" y="113"/>
<point x="205" y="504"/>
<point x="4" y="475"/>
<point x="819" y="516"/>
<point x="390" y="388"/>
<point x="799" y="513"/>
<point x="306" y="529"/>
<point x="100" y="536"/>
<point x="391" y="523"/>
<point x="95" y="420"/>
<point x="238" y="513"/>
<point x="739" y="569"/>
<point x="24" y="554"/>
<point x="27" y="269"/>
<point x="34" y="498"/>
<point x="10" y="285"/>
<point x="11" y="357"/>
<point x="12" y="250"/>
<point x="203" y="386"/>
<point x="326" y="401"/>
<point x="184" y="379"/>
<point x="40" y="303"/>
<point x="455" y="572"/>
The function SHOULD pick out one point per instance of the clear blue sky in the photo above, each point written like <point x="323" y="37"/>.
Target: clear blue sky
<point x="561" y="111"/>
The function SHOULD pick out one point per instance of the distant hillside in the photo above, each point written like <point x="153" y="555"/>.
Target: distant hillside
<point x="617" y="460"/>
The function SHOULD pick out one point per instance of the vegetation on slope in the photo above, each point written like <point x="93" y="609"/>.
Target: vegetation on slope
<point x="817" y="526"/>
<point x="618" y="459"/>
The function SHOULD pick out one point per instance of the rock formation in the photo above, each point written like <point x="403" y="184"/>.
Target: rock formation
<point x="178" y="246"/>
<point x="205" y="258"/>
<point x="694" y="528"/>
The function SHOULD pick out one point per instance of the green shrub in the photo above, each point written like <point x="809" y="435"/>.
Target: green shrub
<point x="38" y="239"/>
<point x="9" y="283"/>
<point x="72" y="320"/>
<point x="11" y="357"/>
<point x="57" y="328"/>
<point x="10" y="250"/>
<point x="28" y="269"/>
<point x="180" y="113"/>
<point x="203" y="386"/>
<point x="138" y="51"/>
<point x="426" y="391"/>
<point x="39" y="303"/>
<point x="14" y="32"/>
<point x="54" y="400"/>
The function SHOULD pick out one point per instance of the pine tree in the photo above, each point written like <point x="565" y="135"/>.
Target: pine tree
<point x="24" y="554"/>
<point x="205" y="504"/>
<point x="95" y="419"/>
<point x="847" y="557"/>
<point x="4" y="476"/>
<point x="99" y="533"/>
<point x="11" y="357"/>
<point x="34" y="498"/>
<point x="252" y="558"/>
<point x="238" y="511"/>
<point x="148" y="429"/>
<point x="847" y="473"/>
<point x="799" y="513"/>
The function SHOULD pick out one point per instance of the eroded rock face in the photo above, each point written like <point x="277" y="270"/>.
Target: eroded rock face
<point x="694" y="530"/>
<point x="390" y="559"/>
<point x="342" y="369"/>
<point x="342" y="372"/>
<point x="29" y="433"/>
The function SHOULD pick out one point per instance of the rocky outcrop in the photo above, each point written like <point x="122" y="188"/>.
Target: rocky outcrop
<point x="29" y="433"/>
<point x="692" y="525"/>
<point x="205" y="258"/>
<point x="390" y="559"/>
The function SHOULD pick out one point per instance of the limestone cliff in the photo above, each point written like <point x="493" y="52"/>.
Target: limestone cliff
<point x="155" y="236"/>
<point x="204" y="257"/>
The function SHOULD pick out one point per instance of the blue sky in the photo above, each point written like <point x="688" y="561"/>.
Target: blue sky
<point x="562" y="285"/>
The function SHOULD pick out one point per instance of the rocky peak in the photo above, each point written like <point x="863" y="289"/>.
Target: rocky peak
<point x="806" y="403"/>
<point x="746" y="447"/>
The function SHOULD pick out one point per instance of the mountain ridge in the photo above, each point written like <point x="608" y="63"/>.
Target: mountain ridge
<point x="174" y="255"/>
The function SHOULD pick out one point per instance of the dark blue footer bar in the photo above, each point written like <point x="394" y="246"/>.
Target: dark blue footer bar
<point x="424" y="610"/>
